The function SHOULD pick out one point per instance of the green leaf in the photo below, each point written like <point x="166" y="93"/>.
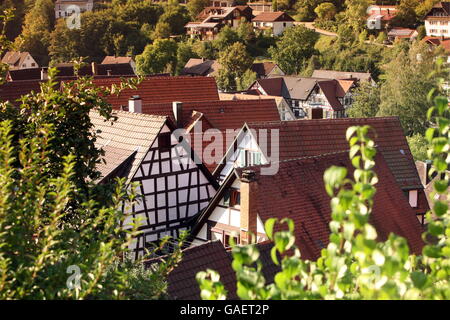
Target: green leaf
<point x="419" y="279"/>
<point x="350" y="132"/>
<point x="270" y="223"/>
<point x="440" y="208"/>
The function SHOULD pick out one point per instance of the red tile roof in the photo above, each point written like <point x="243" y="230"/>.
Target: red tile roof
<point x="11" y="91"/>
<point x="221" y="115"/>
<point x="182" y="284"/>
<point x="153" y="89"/>
<point x="262" y="69"/>
<point x="272" y="17"/>
<point x="166" y="89"/>
<point x="272" y="86"/>
<point x="300" y="138"/>
<point x="297" y="192"/>
<point x="113" y="59"/>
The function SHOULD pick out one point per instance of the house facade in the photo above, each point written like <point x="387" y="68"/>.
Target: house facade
<point x="171" y="187"/>
<point x="379" y="16"/>
<point x="65" y="8"/>
<point x="274" y="22"/>
<point x="17" y="60"/>
<point x="120" y="60"/>
<point x="437" y="20"/>
<point x="211" y="20"/>
<point x="247" y="199"/>
<point x="299" y="138"/>
<point x="310" y="98"/>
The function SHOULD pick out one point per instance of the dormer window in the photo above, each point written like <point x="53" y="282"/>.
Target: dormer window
<point x="164" y="141"/>
<point x="232" y="198"/>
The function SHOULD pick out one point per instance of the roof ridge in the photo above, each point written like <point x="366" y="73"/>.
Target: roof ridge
<point x="138" y="114"/>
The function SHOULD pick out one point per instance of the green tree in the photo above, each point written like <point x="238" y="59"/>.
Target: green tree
<point x="366" y="101"/>
<point x="406" y="15"/>
<point x="184" y="53"/>
<point x="162" y="31"/>
<point x="226" y="37"/>
<point x="419" y="147"/>
<point x="35" y="36"/>
<point x="176" y="16"/>
<point x="234" y="61"/>
<point x="204" y="49"/>
<point x="161" y="56"/>
<point x="245" y="31"/>
<point x="293" y="48"/>
<point x="356" y="12"/>
<point x="245" y="81"/>
<point x="52" y="221"/>
<point x="196" y="6"/>
<point x="406" y="86"/>
<point x="325" y="11"/>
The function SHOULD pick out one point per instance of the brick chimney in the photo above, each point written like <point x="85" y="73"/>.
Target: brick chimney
<point x="249" y="206"/>
<point x="177" y="109"/>
<point x="135" y="104"/>
<point x="94" y="68"/>
<point x="44" y="74"/>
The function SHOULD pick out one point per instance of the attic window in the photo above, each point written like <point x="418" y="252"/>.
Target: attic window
<point x="221" y="110"/>
<point x="232" y="198"/>
<point x="402" y="151"/>
<point x="164" y="141"/>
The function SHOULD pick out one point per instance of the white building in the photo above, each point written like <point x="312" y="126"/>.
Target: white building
<point x="276" y="22"/>
<point x="17" y="60"/>
<point x="437" y="20"/>
<point x="65" y="8"/>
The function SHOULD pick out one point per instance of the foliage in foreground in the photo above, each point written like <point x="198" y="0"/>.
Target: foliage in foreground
<point x="355" y="265"/>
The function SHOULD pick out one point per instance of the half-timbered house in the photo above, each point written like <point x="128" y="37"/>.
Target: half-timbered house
<point x="173" y="187"/>
<point x="271" y="142"/>
<point x="312" y="98"/>
<point x="248" y="198"/>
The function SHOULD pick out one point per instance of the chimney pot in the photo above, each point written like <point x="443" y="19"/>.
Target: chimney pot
<point x="94" y="68"/>
<point x="177" y="109"/>
<point x="248" y="176"/>
<point x="135" y="104"/>
<point x="44" y="74"/>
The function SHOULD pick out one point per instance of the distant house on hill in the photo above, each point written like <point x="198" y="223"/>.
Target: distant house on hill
<point x="437" y="20"/>
<point x="402" y="33"/>
<point x="210" y="68"/>
<point x="201" y="67"/>
<point x="259" y="7"/>
<point x="211" y="20"/>
<point x="64" y="8"/>
<point x="66" y="70"/>
<point x="275" y="22"/>
<point x="17" y="60"/>
<point x="380" y="16"/>
<point x="343" y="75"/>
<point x="120" y="60"/>
<point x="439" y="41"/>
<point x="312" y="98"/>
<point x="222" y="3"/>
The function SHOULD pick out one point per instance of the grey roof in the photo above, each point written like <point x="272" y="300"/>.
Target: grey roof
<point x="130" y="136"/>
<point x="201" y="67"/>
<point x="331" y="74"/>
